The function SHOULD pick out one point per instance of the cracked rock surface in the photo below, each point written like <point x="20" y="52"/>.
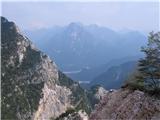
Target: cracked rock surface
<point x="30" y="82"/>
<point x="127" y="105"/>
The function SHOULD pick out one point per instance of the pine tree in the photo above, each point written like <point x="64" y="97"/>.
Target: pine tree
<point x="149" y="66"/>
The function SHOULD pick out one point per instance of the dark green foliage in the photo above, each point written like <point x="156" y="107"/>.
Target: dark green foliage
<point x="69" y="111"/>
<point x="147" y="77"/>
<point x="32" y="58"/>
<point x="25" y="99"/>
<point x="34" y="97"/>
<point x="79" y="95"/>
<point x="149" y="67"/>
<point x="133" y="83"/>
<point x="91" y="95"/>
<point x="27" y="96"/>
<point x="94" y="88"/>
<point x="19" y="95"/>
<point x="64" y="80"/>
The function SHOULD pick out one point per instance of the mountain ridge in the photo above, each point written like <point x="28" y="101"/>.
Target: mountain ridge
<point x="32" y="86"/>
<point x="115" y="76"/>
<point x="101" y="39"/>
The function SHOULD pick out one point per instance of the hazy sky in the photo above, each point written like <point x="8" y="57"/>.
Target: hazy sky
<point x="142" y="16"/>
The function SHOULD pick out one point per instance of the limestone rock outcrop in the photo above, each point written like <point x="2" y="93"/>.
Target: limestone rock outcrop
<point x="127" y="105"/>
<point x="30" y="81"/>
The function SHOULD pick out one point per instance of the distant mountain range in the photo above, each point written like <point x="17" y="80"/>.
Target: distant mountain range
<point x="87" y="53"/>
<point x="88" y="74"/>
<point x="115" y="76"/>
<point x="33" y="88"/>
<point x="76" y="47"/>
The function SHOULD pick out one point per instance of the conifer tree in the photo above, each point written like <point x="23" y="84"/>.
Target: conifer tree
<point x="149" y="66"/>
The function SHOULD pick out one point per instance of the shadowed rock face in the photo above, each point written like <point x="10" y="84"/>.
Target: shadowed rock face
<point x="30" y="79"/>
<point x="33" y="88"/>
<point x="127" y="105"/>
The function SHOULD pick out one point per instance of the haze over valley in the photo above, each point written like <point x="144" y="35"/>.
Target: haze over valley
<point x="87" y="48"/>
<point x="80" y="50"/>
<point x="80" y="60"/>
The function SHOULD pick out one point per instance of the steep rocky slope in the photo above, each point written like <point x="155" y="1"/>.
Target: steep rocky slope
<point x="32" y="86"/>
<point x="127" y="105"/>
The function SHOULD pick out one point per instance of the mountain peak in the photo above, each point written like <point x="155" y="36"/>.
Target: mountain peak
<point x="9" y="25"/>
<point x="31" y="83"/>
<point x="74" y="30"/>
<point x="3" y="19"/>
<point x="75" y="25"/>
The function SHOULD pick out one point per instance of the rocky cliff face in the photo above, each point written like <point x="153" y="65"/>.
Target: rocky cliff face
<point x="127" y="105"/>
<point x="31" y="87"/>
